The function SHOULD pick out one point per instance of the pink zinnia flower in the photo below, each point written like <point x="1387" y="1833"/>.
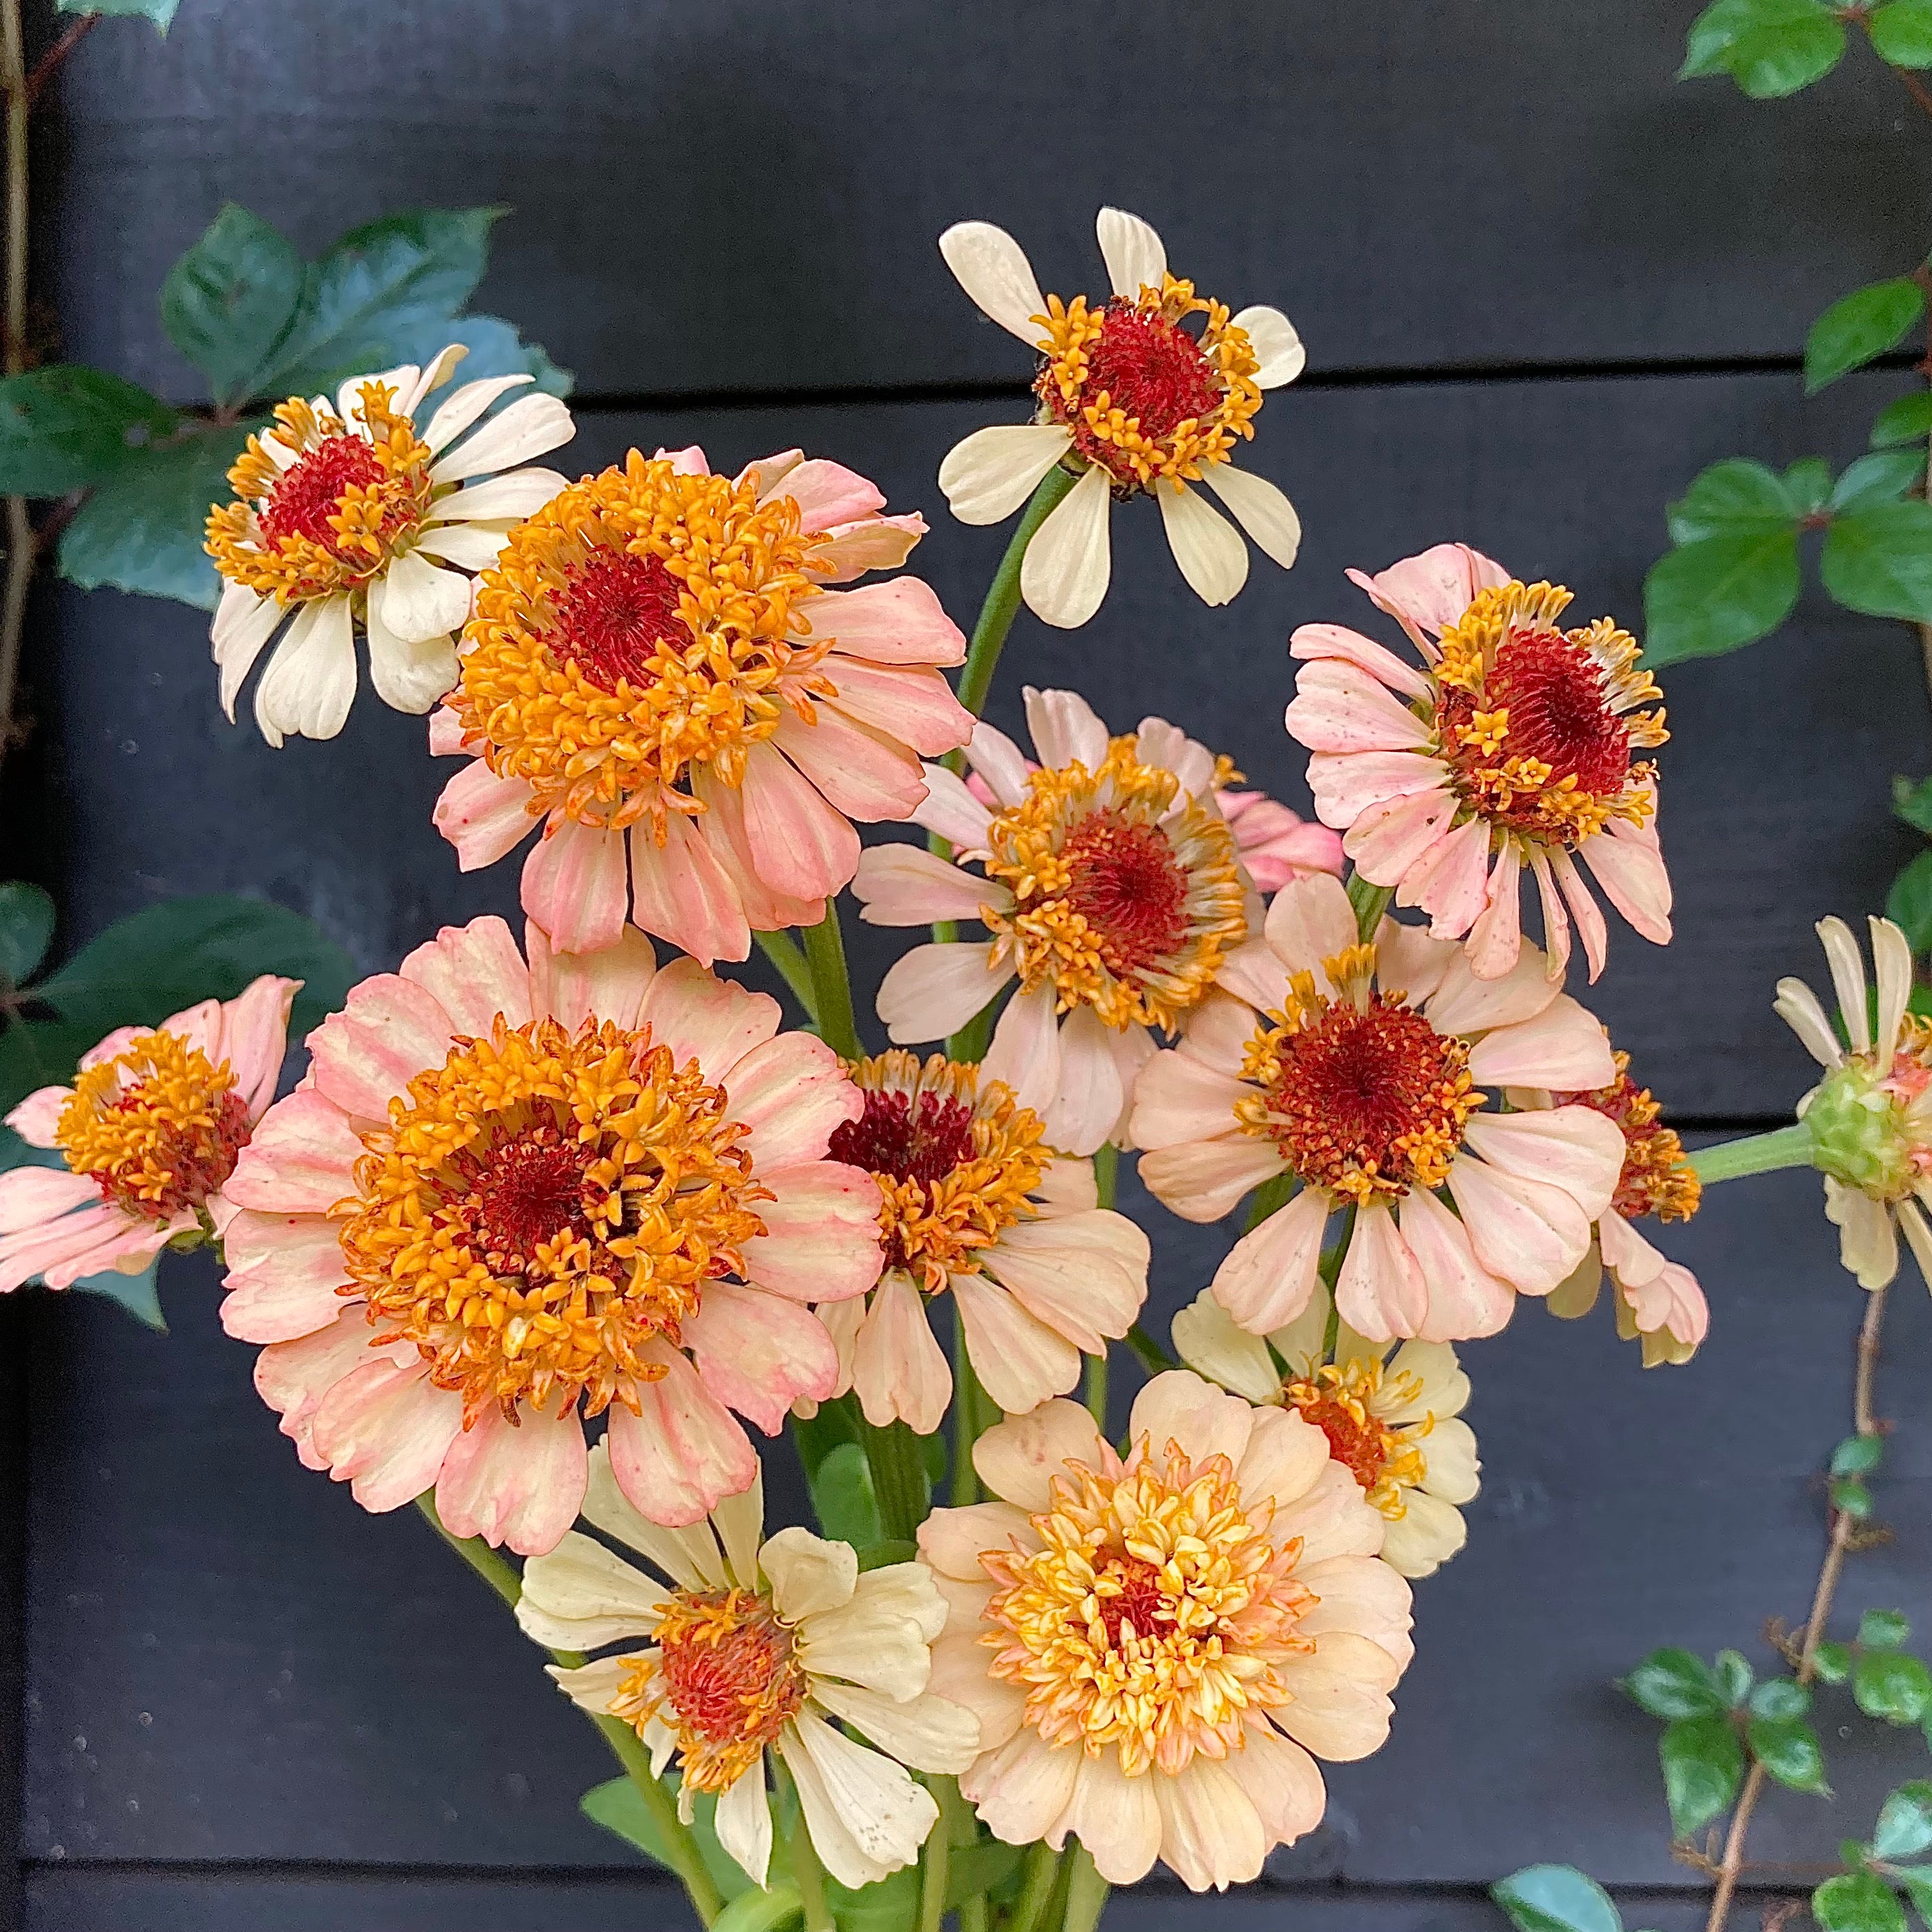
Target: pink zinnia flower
<point x="1511" y="747"/>
<point x="1276" y="844"/>
<point x="655" y="664"/>
<point x="1108" y="879"/>
<point x="1359" y="1070"/>
<point x="508" y="1197"/>
<point x="150" y="1132"/>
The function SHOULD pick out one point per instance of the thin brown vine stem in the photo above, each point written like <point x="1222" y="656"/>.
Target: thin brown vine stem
<point x="45" y="67"/>
<point x="1864" y="1373"/>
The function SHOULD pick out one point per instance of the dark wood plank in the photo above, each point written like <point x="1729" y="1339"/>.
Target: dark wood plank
<point x="1775" y="794"/>
<point x="747" y="197"/>
<point x="15" y="1318"/>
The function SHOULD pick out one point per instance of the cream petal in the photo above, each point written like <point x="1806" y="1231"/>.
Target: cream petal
<point x="309" y="683"/>
<point x="1211" y="1834"/>
<point x="866" y="1816"/>
<point x="1134" y="257"/>
<point x="243" y="624"/>
<point x="528" y="428"/>
<point x="461" y="407"/>
<point x="410" y="675"/>
<point x="1799" y="1007"/>
<point x="898" y="1370"/>
<point x="1449" y="1459"/>
<point x="1271" y="1273"/>
<point x="579" y="1596"/>
<point x="1026" y="1053"/>
<point x="927" y="1733"/>
<point x="1207" y="1341"/>
<point x="988" y="477"/>
<point x="1261" y="509"/>
<point x="1017" y="1459"/>
<point x="1178" y="1405"/>
<point x="992" y="268"/>
<point x="1063" y="575"/>
<point x="1277" y="347"/>
<point x="743" y="1823"/>
<point x="1116" y="1818"/>
<point x="507" y="498"/>
<point x="1209" y="550"/>
<point x="688" y="1555"/>
<point x="1020" y="1360"/>
<point x="417" y="601"/>
<point x="1425" y="1536"/>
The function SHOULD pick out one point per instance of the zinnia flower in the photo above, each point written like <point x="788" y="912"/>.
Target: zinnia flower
<point x="1159" y="1647"/>
<point x="972" y="1199"/>
<point x="351" y="515"/>
<point x="1133" y="400"/>
<point x="1870" y="1117"/>
<point x="655" y="658"/>
<point x="150" y="1132"/>
<point x="753" y="1646"/>
<point x="1359" y="1069"/>
<point x="1108" y="882"/>
<point x="1658" y="1301"/>
<point x="1275" y="844"/>
<point x="508" y="1197"/>
<point x="1394" y="1422"/>
<point x="1510" y="748"/>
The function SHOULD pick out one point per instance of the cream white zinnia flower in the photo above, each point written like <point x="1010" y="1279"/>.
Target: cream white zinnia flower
<point x="1394" y="1421"/>
<point x="356" y="515"/>
<point x="753" y="1646"/>
<point x="1159" y="1646"/>
<point x="1133" y="401"/>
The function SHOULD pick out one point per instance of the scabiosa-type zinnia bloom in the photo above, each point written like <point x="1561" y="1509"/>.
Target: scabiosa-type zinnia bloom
<point x="972" y="1199"/>
<point x="150" y="1132"/>
<point x="1511" y="747"/>
<point x="1870" y="1117"/>
<point x="1359" y="1070"/>
<point x="1138" y="399"/>
<point x="509" y="1197"/>
<point x="1159" y="1646"/>
<point x="655" y="659"/>
<point x="355" y="514"/>
<point x="1108" y="880"/>
<point x="1658" y="1301"/>
<point x="1394" y="1421"/>
<point x="754" y="1646"/>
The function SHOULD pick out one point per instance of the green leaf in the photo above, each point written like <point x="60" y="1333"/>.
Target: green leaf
<point x="1878" y="560"/>
<point x="1917" y="1880"/>
<point x="1883" y="1629"/>
<point x="1788" y="1748"/>
<point x="1556" y="1898"/>
<point x="495" y="349"/>
<point x="1883" y="477"/>
<point x="1769" y="47"/>
<point x="39" y="1053"/>
<point x="1734" y="498"/>
<point x="227" y="303"/>
<point x="1718" y="593"/>
<point x="1734" y="1678"/>
<point x="136" y="1293"/>
<point x="1674" y="1683"/>
<point x="1807" y="483"/>
<point x="66" y="426"/>
<point x="1904" y="1827"/>
<point x="889" y="1906"/>
<point x="1860" y="1455"/>
<point x="161" y="12"/>
<point x="1859" y="326"/>
<point x="26" y="924"/>
<point x="1703" y="1759"/>
<point x="141" y="529"/>
<point x="1858" y="1902"/>
<point x="1909" y="906"/>
<point x="618" y="1806"/>
<point x="841" y="1494"/>
<point x="817" y="1435"/>
<point x="1832" y="1662"/>
<point x="1908" y="420"/>
<point x="1901" y="33"/>
<point x="1848" y="1494"/>
<point x="973" y="1869"/>
<point x="1780" y="1697"/>
<point x="168" y="956"/>
<point x="755" y="1911"/>
<point x="1889" y="1684"/>
<point x="879" y="1555"/>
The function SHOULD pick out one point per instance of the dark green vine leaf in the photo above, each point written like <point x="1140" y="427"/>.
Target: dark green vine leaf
<point x="1889" y="1684"/>
<point x="1556" y="1898"/>
<point x="1780" y="1697"/>
<point x="1675" y="1683"/>
<point x="1769" y="47"/>
<point x="1917" y="1880"/>
<point x="65" y="426"/>
<point x="1703" y="1761"/>
<point x="26" y="925"/>
<point x="1881" y="477"/>
<point x="841" y="1494"/>
<point x="161" y="12"/>
<point x="1878" y="559"/>
<point x="619" y="1807"/>
<point x="229" y="303"/>
<point x="1908" y="420"/>
<point x="1904" y="1827"/>
<point x="1718" y="594"/>
<point x="1857" y="1902"/>
<point x="1901" y="32"/>
<point x="1832" y="1662"/>
<point x="1859" y="326"/>
<point x="1788" y="1748"/>
<point x="1736" y="497"/>
<point x="1734" y="1677"/>
<point x="1860" y="1455"/>
<point x="1883" y="1629"/>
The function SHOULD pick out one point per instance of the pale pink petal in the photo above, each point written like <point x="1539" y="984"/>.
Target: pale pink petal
<point x="1180" y="1097"/>
<point x="1562" y="1049"/>
<point x="1270" y="1274"/>
<point x="1090" y="1096"/>
<point x="1026" y="1053"/>
<point x="759" y="1353"/>
<point x="1211" y="1834"/>
<point x="1179" y="1406"/>
<point x="793" y="1094"/>
<point x="1020" y="1360"/>
<point x="1084" y="1275"/>
<point x="474" y="973"/>
<point x="1023" y="1790"/>
<point x="483" y="816"/>
<point x="1631" y="872"/>
<point x="252" y="1035"/>
<point x="1464" y="1299"/>
<point x="1285" y="1456"/>
<point x="516" y="1483"/>
<point x="872" y="543"/>
<point x="364" y="1057"/>
<point x="799" y="845"/>
<point x="1555" y="919"/>
<point x="1338" y="708"/>
<point x="1450" y="881"/>
<point x="997" y="759"/>
<point x="827" y="492"/>
<point x="1530" y="1234"/>
<point x="384" y="1429"/>
<point x="1333" y="1519"/>
<point x="1495" y="939"/>
<point x="1427" y="593"/>
<point x="952" y="1540"/>
<point x="292" y="1377"/>
<point x="682" y="1453"/>
<point x="1018" y="1458"/>
<point x="901" y="623"/>
<point x="1312" y="641"/>
<point x="1204" y="1180"/>
<point x="1575" y="1148"/>
<point x="1346" y="784"/>
<point x="898" y="1370"/>
<point x="73" y="1246"/>
<point x="1065" y="728"/>
<point x="680" y="891"/>
<point x="283" y="1271"/>
<point x="36" y="1117"/>
<point x="1116" y="1818"/>
<point x="574" y="886"/>
<point x="950" y="809"/>
<point x="934" y="990"/>
<point x="1389" y="838"/>
<point x="1462" y="1003"/>
<point x="1584" y="909"/>
<point x="914" y="705"/>
<point x="445" y="733"/>
<point x="858" y="771"/>
<point x="700" y="1017"/>
<point x="30" y="1196"/>
<point x="764" y="474"/>
<point x="574" y="987"/>
<point x="906" y="885"/>
<point x="1341" y="1707"/>
<point x="1255" y="976"/>
<point x="1282" y="1782"/>
<point x="300" y="1160"/>
<point x="1409" y="962"/>
<point x="821" y="1238"/>
<point x="1381" y="1291"/>
<point x="1311" y="920"/>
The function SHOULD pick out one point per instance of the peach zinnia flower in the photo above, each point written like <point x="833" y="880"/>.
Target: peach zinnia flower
<point x="1135" y="400"/>
<point x="1658" y="1301"/>
<point x="1394" y="1422"/>
<point x="759" y="1645"/>
<point x="353" y="515"/>
<point x="150" y="1132"/>
<point x="1360" y="1069"/>
<point x="1870" y="1117"/>
<point x="509" y="1197"/>
<point x="1159" y="1647"/>
<point x="1108" y="880"/>
<point x="655" y="658"/>
<point x="1510" y="748"/>
<point x="972" y="1199"/>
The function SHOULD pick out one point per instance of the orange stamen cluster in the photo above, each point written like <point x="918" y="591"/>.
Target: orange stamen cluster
<point x="1157" y="1615"/>
<point x="320" y="507"/>
<point x="954" y="1164"/>
<point x="726" y="1681"/>
<point x="1657" y="1178"/>
<point x="1538" y="724"/>
<point x="643" y="628"/>
<point x="1124" y="904"/>
<point x="1364" y="1098"/>
<point x="1342" y="1400"/>
<point x="543" y="1211"/>
<point x="158" y="1128"/>
<point x="1144" y="397"/>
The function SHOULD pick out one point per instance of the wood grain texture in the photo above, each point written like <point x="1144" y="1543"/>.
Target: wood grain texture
<point x="745" y="196"/>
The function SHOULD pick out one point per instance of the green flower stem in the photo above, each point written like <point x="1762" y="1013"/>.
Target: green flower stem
<point x="1370" y="902"/>
<point x="957" y="1821"/>
<point x="898" y="1478"/>
<point x="1041" y="1869"/>
<point x="807" y="1874"/>
<point x="831" y="985"/>
<point x="785" y="952"/>
<point x="1152" y="1357"/>
<point x="756" y="1911"/>
<point x="969" y="1044"/>
<point x="965" y="1419"/>
<point x="935" y="1864"/>
<point x="1106" y="1180"/>
<point x="1755" y="1154"/>
<point x="1086" y="1892"/>
<point x="681" y="1851"/>
<point x="1270" y="1195"/>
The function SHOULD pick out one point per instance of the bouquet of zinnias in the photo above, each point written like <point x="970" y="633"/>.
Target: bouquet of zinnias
<point x="552" y="1217"/>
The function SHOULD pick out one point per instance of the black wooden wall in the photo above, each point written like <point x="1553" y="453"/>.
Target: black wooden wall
<point x="1541" y="286"/>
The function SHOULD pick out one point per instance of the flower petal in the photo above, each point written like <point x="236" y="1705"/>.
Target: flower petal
<point x="988" y="476"/>
<point x="992" y="268"/>
<point x="1277" y="347"/>
<point x="1209" y="549"/>
<point x="1063" y="575"/>
<point x="1133" y="253"/>
<point x="1261" y="509"/>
